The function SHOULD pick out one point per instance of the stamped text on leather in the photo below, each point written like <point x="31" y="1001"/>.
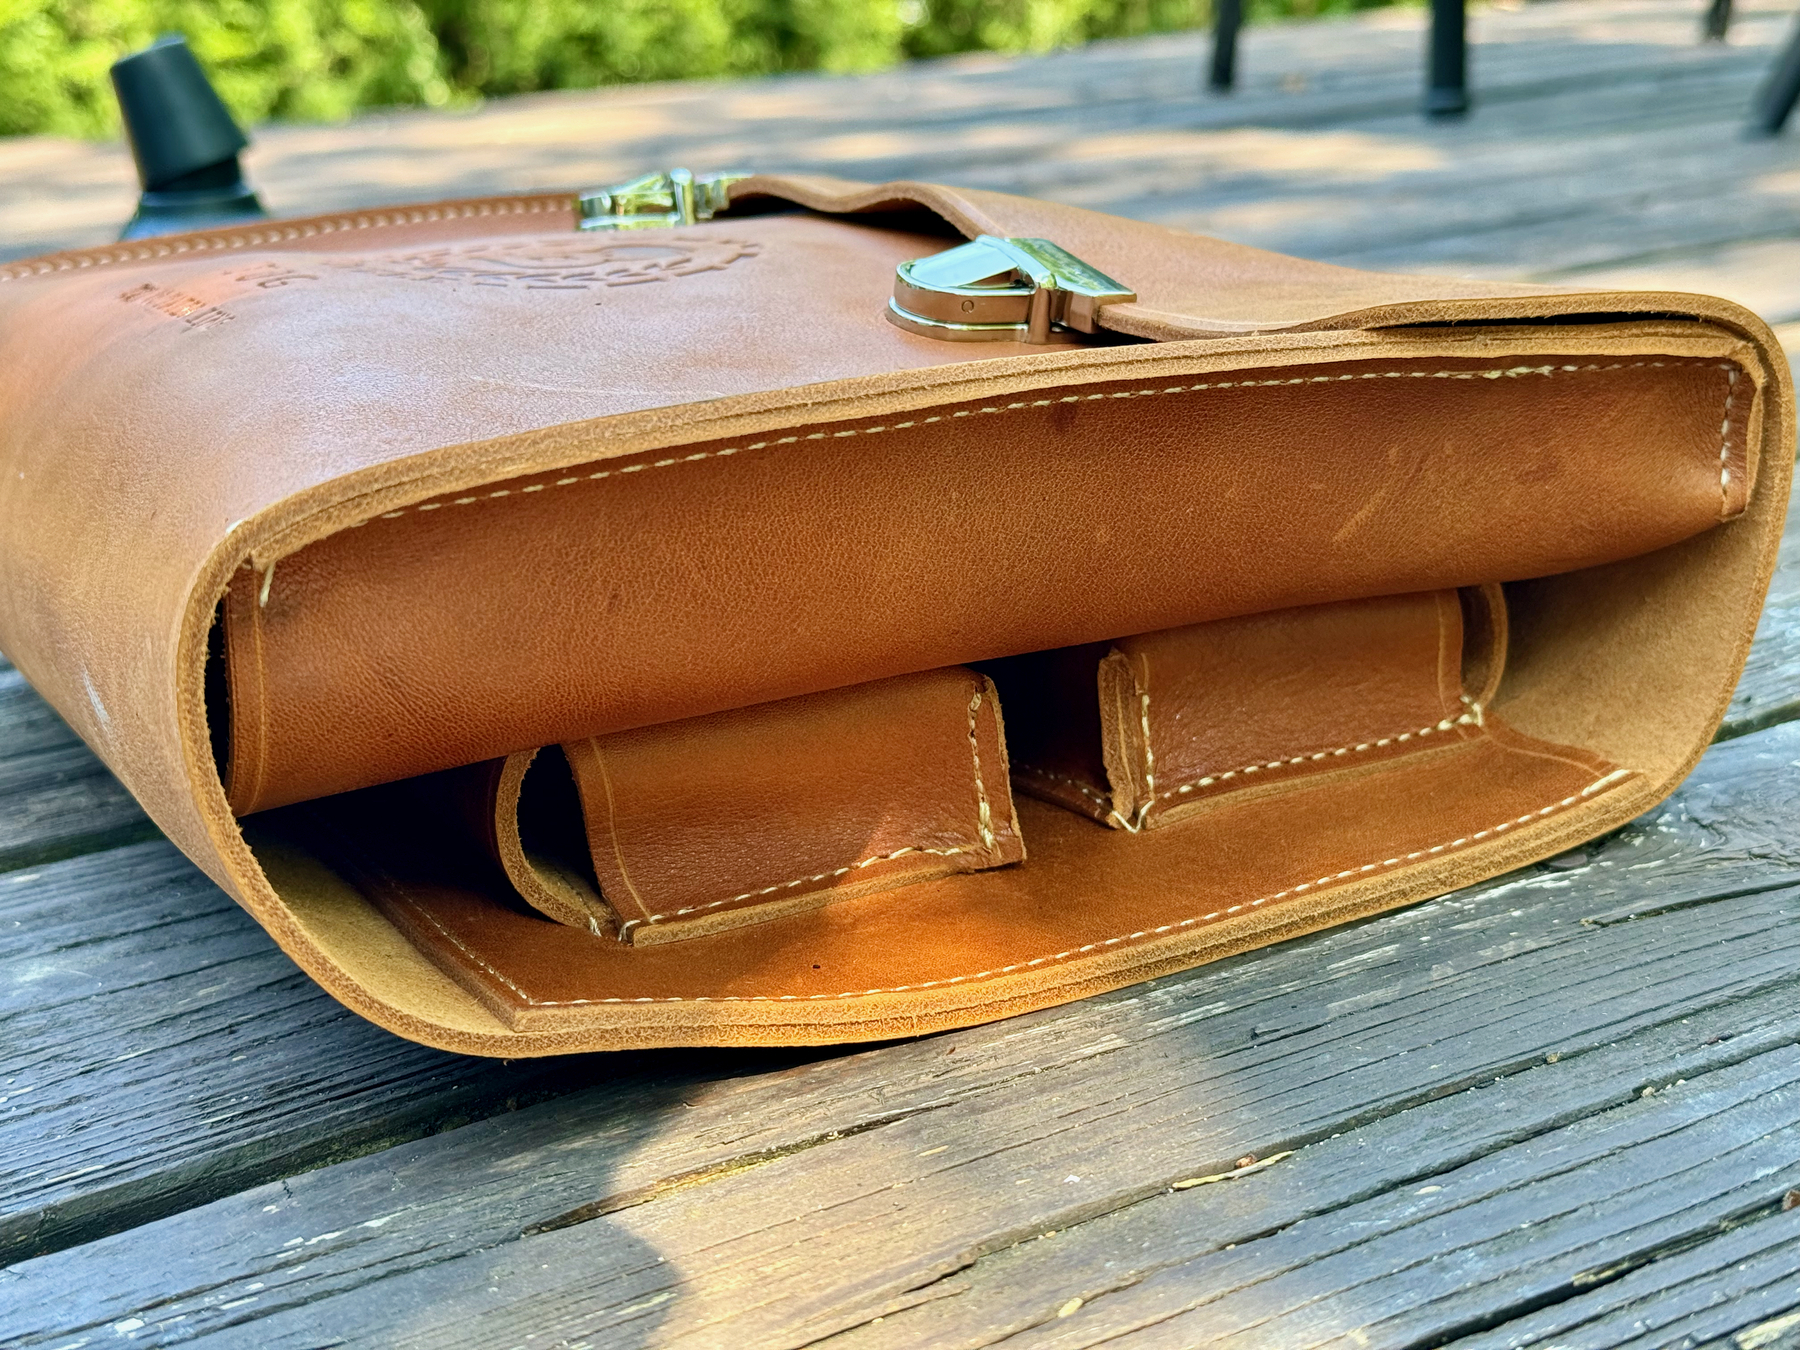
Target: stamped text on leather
<point x="574" y="264"/>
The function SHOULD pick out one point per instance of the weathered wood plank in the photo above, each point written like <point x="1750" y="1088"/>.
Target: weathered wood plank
<point x="58" y="803"/>
<point x="1527" y="1226"/>
<point x="1736" y="1284"/>
<point x="1777" y="1333"/>
<point x="160" y="1052"/>
<point x="1412" y="1264"/>
<point x="56" y="799"/>
<point x="1020" y="1291"/>
<point x="28" y="725"/>
<point x="1581" y="178"/>
<point x="677" y="1202"/>
<point x="1524" y="235"/>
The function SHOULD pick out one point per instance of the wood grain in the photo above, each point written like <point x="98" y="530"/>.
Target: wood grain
<point x="830" y="1190"/>
<point x="56" y="799"/>
<point x="159" y="1051"/>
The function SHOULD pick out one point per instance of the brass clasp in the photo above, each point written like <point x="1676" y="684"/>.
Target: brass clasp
<point x="1002" y="290"/>
<point x="673" y="198"/>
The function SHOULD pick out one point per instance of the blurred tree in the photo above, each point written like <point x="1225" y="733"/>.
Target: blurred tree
<point x="53" y="60"/>
<point x="509" y="47"/>
<point x="944" y="26"/>
<point x="300" y="59"/>
<point x="834" y="35"/>
<point x="318" y="60"/>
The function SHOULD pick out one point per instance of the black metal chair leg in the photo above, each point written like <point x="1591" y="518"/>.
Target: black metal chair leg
<point x="1776" y="99"/>
<point x="1228" y="17"/>
<point x="1447" y="64"/>
<point x="1716" y="22"/>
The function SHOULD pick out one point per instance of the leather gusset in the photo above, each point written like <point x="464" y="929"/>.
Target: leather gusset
<point x="754" y="569"/>
<point x="692" y="828"/>
<point x="1139" y="732"/>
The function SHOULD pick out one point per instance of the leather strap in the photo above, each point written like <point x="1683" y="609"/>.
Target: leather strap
<point x="1188" y="286"/>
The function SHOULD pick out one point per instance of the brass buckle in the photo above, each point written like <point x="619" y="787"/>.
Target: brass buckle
<point x="657" y="199"/>
<point x="1002" y="290"/>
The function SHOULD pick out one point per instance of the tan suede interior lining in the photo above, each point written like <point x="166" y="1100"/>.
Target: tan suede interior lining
<point x="1592" y="652"/>
<point x="1086" y="890"/>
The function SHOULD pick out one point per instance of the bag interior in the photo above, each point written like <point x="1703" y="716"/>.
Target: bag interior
<point x="973" y="703"/>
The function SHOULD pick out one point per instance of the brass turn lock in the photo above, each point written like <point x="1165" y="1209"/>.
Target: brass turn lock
<point x="1003" y="290"/>
<point x="657" y="199"/>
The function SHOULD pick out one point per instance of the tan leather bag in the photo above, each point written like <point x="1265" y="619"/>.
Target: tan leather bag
<point x="571" y="639"/>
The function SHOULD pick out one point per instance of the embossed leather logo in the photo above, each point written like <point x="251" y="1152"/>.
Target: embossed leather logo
<point x="574" y="264"/>
<point x="172" y="304"/>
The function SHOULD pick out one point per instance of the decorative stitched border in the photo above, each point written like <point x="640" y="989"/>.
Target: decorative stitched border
<point x="1471" y="718"/>
<point x="1599" y="785"/>
<point x="1495" y="373"/>
<point x="282" y="232"/>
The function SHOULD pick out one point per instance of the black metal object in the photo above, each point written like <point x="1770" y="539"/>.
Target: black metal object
<point x="1447" y="61"/>
<point x="1228" y="17"/>
<point x="184" y="141"/>
<point x="1716" y="22"/>
<point x="1779" y="92"/>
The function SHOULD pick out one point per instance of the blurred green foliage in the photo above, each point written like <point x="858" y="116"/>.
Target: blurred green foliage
<point x="1039" y="25"/>
<point x="299" y="59"/>
<point x="319" y="60"/>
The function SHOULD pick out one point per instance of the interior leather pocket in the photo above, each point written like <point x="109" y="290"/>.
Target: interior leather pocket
<point x="691" y="827"/>
<point x="1139" y="732"/>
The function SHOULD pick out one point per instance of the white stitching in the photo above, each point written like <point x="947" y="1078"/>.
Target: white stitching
<point x="1725" y="443"/>
<point x="1495" y="374"/>
<point x="1149" y="755"/>
<point x="1530" y="817"/>
<point x="375" y="220"/>
<point x="1470" y="718"/>
<point x="1075" y="783"/>
<point x="984" y="821"/>
<point x="984" y="818"/>
<point x="788" y="885"/>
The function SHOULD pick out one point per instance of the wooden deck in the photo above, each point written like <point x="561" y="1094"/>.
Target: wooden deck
<point x="1560" y="1109"/>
